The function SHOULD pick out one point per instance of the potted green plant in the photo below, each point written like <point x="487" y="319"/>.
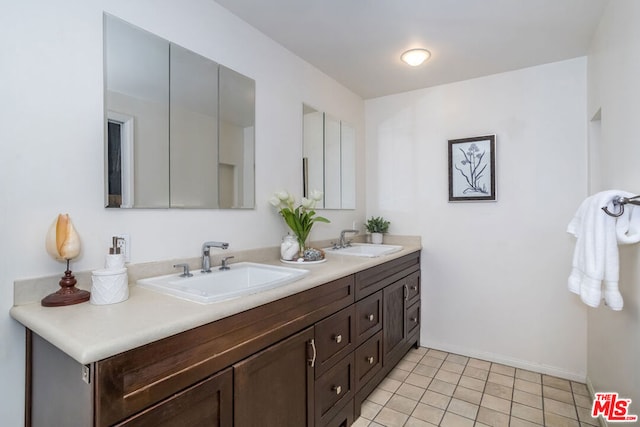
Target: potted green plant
<point x="377" y="226"/>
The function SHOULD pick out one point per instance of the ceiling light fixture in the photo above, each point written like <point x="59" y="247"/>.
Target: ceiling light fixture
<point x="415" y="57"/>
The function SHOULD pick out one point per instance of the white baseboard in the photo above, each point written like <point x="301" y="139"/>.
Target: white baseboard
<point x="505" y="360"/>
<point x="592" y="392"/>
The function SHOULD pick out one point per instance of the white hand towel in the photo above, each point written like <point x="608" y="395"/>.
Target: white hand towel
<point x="595" y="258"/>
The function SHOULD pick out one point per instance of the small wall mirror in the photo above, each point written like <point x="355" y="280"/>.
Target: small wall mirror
<point x="180" y="128"/>
<point x="328" y="162"/>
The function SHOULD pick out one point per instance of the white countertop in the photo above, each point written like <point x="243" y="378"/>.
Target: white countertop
<point x="89" y="333"/>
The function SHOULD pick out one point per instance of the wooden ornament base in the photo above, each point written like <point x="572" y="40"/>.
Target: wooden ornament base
<point x="68" y="294"/>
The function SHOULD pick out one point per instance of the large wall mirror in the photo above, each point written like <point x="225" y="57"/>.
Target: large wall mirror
<point x="180" y="128"/>
<point x="328" y="162"/>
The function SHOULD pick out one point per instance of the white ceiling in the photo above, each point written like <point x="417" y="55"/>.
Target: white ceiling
<point x="359" y="42"/>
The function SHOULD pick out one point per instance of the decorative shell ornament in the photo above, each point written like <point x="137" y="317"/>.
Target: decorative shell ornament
<point x="63" y="243"/>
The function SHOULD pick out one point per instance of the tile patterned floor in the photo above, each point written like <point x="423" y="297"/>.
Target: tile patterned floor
<point x="431" y="387"/>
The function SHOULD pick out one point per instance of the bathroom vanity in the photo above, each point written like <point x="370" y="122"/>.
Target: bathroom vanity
<point x="308" y="358"/>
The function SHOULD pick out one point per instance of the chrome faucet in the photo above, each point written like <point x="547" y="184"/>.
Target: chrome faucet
<point x="343" y="243"/>
<point x="206" y="262"/>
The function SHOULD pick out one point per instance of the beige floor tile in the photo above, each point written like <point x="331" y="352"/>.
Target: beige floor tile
<point x="452" y="367"/>
<point x="472" y="383"/>
<point x="560" y="408"/>
<point x="437" y="354"/>
<point x="465" y="409"/>
<point x="412" y="357"/>
<point x="468" y="395"/>
<point x="406" y="366"/>
<point x="528" y="386"/>
<point x="533" y="377"/>
<point x="554" y="420"/>
<point x="527" y="413"/>
<point x="496" y="403"/>
<point x="442" y="387"/>
<point x="517" y="422"/>
<point x="499" y="390"/>
<point x="390" y="384"/>
<point x="435" y="399"/>
<point x="428" y="413"/>
<point x="480" y="364"/>
<point x="476" y="373"/>
<point x="374" y="424"/>
<point x="418" y="380"/>
<point x="390" y="418"/>
<point x="415" y="422"/>
<point x="410" y="391"/>
<point x="398" y="374"/>
<point x="379" y="396"/>
<point x="431" y="361"/>
<point x="420" y="350"/>
<point x="369" y="409"/>
<point x="528" y="399"/>
<point x="584" y="415"/>
<point x="579" y="388"/>
<point x="583" y="401"/>
<point x="557" y="394"/>
<point x="361" y="422"/>
<point x="479" y="424"/>
<point x="401" y="404"/>
<point x="503" y="369"/>
<point x="447" y="376"/>
<point x="492" y="418"/>
<point x="556" y="382"/>
<point x="427" y="371"/>
<point x="453" y="420"/>
<point x="505" y="380"/>
<point x="456" y="358"/>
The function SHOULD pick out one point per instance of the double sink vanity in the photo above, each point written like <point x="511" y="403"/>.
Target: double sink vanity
<point x="261" y="344"/>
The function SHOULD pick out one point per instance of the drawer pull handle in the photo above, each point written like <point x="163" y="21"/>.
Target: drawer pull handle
<point x="406" y="293"/>
<point x="337" y="389"/>
<point x="370" y="317"/>
<point x="338" y="339"/>
<point x="312" y="361"/>
<point x="370" y="359"/>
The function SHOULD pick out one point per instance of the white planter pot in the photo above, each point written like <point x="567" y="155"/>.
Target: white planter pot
<point x="376" y="238"/>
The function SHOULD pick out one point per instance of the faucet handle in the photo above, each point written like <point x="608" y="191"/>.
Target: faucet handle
<point x="185" y="269"/>
<point x="224" y="265"/>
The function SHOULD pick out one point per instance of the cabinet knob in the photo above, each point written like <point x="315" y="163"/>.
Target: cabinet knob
<point x="414" y="287"/>
<point x="370" y="317"/>
<point x="370" y="359"/>
<point x="337" y="389"/>
<point x="414" y="319"/>
<point x="338" y="339"/>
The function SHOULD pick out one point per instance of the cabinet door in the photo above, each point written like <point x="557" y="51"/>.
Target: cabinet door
<point x="275" y="387"/>
<point x="207" y="403"/>
<point x="395" y="331"/>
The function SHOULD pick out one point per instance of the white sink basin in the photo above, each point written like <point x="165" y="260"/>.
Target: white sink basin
<point x="243" y="278"/>
<point x="365" y="250"/>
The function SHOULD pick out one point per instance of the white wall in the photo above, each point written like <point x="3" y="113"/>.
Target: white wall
<point x="494" y="274"/>
<point x="52" y="144"/>
<point x="614" y="89"/>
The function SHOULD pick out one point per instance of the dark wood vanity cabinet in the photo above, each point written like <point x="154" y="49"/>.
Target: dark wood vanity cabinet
<point x="309" y="359"/>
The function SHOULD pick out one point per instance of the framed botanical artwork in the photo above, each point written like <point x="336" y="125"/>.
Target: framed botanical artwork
<point x="472" y="166"/>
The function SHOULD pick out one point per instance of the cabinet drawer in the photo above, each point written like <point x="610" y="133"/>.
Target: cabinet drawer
<point x="333" y="390"/>
<point x="368" y="317"/>
<point x="334" y="338"/>
<point x="368" y="360"/>
<point x="209" y="402"/>
<point x="413" y="318"/>
<point x="413" y="288"/>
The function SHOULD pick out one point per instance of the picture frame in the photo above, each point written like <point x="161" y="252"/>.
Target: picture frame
<point x="472" y="166"/>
